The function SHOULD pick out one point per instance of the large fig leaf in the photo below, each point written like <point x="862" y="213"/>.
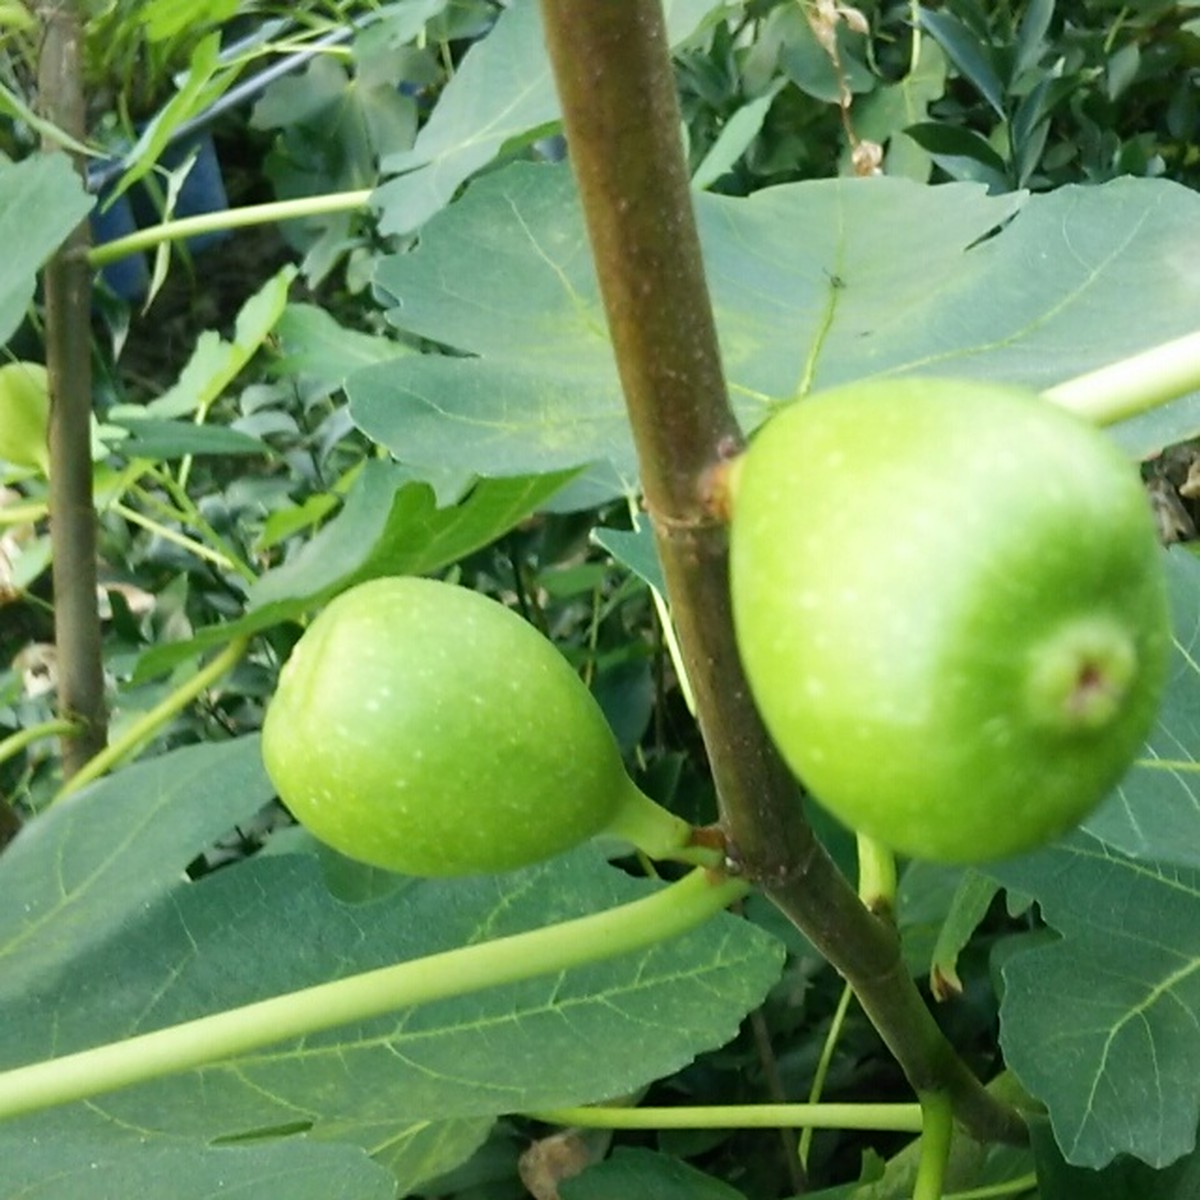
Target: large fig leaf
<point x="502" y="94"/>
<point x="1153" y="814"/>
<point x="52" y="1159"/>
<point x="1101" y="1025"/>
<point x="813" y="284"/>
<point x="94" y="861"/>
<point x="41" y="201"/>
<point x="421" y="1085"/>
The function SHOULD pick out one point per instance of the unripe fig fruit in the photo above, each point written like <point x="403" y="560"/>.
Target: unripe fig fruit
<point x="25" y="415"/>
<point x="951" y="607"/>
<point x="424" y="728"/>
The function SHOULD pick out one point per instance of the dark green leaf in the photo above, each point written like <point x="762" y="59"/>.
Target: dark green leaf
<point x="635" y="1174"/>
<point x="392" y="526"/>
<point x="1126" y="1179"/>
<point x="972" y="56"/>
<point x="1101" y="1026"/>
<point x="153" y="438"/>
<point x="808" y="64"/>
<point x="961" y="153"/>
<point x="1031" y="35"/>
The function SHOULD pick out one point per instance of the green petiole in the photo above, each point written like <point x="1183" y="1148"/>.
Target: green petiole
<point x="888" y="1118"/>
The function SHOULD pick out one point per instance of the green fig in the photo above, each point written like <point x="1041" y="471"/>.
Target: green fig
<point x="424" y="728"/>
<point x="951" y="607"/>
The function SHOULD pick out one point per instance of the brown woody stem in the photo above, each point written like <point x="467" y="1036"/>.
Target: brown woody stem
<point x="614" y="78"/>
<point x="68" y="289"/>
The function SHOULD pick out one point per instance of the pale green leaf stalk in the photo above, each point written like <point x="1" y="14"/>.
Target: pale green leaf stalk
<point x="1134" y="385"/>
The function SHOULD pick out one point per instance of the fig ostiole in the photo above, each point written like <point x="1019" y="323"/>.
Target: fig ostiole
<point x="424" y="728"/>
<point x="950" y="603"/>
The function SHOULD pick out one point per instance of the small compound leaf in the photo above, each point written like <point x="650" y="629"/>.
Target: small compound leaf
<point x="636" y="550"/>
<point x="972" y="56"/>
<point x="215" y="362"/>
<point x="501" y="90"/>
<point x="1031" y="35"/>
<point x="736" y="134"/>
<point x="885" y="114"/>
<point x="962" y="153"/>
<point x="972" y="899"/>
<point x="807" y="62"/>
<point x="390" y="525"/>
<point x="152" y="438"/>
<point x="501" y="94"/>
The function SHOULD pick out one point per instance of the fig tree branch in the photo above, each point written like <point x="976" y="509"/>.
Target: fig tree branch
<point x="68" y="292"/>
<point x="614" y="79"/>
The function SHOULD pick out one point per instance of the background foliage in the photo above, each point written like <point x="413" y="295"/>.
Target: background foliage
<point x="423" y="383"/>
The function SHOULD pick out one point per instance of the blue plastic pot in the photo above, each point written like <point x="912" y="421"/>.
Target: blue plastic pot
<point x="203" y="191"/>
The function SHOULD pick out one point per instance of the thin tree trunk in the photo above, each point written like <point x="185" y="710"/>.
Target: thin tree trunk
<point x="68" y="292"/>
<point x="614" y="77"/>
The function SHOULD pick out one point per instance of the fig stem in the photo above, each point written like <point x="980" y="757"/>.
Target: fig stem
<point x="804" y="1146"/>
<point x="634" y="189"/>
<point x="22" y="514"/>
<point x="657" y="833"/>
<point x="891" y="1118"/>
<point x="15" y="743"/>
<point x="876" y="875"/>
<point x="157" y="717"/>
<point x="1134" y="385"/>
<point x="937" y="1130"/>
<point x="630" y="927"/>
<point x="235" y="218"/>
<point x="170" y="535"/>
